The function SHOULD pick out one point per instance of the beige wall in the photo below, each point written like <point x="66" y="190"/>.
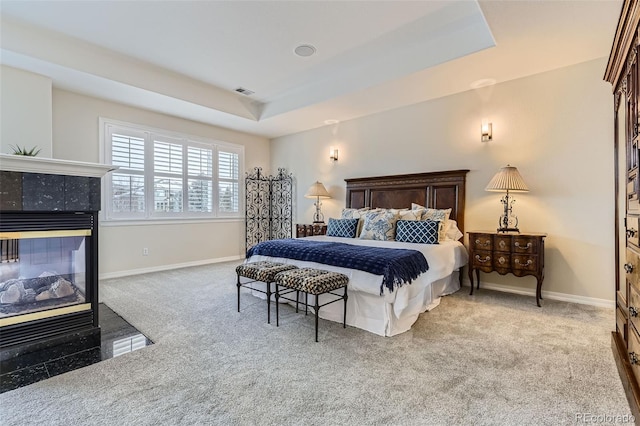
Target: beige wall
<point x="556" y="127"/>
<point x="76" y="137"/>
<point x="25" y="111"/>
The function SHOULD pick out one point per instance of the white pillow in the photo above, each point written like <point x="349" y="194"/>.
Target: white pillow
<point x="452" y="232"/>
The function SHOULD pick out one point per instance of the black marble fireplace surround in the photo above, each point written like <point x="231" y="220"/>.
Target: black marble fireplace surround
<point x="41" y="202"/>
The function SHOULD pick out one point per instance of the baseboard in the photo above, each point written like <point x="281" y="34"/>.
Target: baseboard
<point x="564" y="297"/>
<point x="127" y="273"/>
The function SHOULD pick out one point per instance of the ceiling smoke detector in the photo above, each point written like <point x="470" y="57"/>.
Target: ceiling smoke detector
<point x="244" y="91"/>
<point x="305" y="50"/>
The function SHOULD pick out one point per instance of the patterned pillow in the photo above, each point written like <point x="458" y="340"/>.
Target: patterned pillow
<point x="379" y="225"/>
<point x="355" y="214"/>
<point x="423" y="231"/>
<point x="345" y="228"/>
<point x="441" y="215"/>
<point x="435" y="214"/>
<point x="410" y="215"/>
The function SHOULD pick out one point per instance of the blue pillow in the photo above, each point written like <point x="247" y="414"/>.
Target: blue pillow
<point x="342" y="228"/>
<point x="417" y="231"/>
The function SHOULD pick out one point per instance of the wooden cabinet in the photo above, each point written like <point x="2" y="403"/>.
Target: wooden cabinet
<point x="515" y="253"/>
<point x="306" y="230"/>
<point x="624" y="75"/>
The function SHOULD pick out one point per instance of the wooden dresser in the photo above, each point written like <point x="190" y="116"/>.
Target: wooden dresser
<point x="624" y="75"/>
<point x="308" y="230"/>
<point x="507" y="252"/>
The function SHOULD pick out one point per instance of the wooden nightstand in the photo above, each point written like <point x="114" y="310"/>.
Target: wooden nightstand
<point x="305" y="230"/>
<point x="507" y="252"/>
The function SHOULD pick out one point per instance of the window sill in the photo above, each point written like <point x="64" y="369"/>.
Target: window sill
<point x="168" y="221"/>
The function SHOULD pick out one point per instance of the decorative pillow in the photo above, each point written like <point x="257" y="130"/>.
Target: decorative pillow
<point x="380" y="225"/>
<point x="410" y="215"/>
<point x="423" y="231"/>
<point x="452" y="232"/>
<point x="441" y="215"/>
<point x="355" y="214"/>
<point x="345" y="228"/>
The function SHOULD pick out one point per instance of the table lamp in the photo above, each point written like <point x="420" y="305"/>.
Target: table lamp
<point x="317" y="191"/>
<point x="507" y="179"/>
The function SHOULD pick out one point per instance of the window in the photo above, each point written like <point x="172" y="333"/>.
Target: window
<point x="162" y="175"/>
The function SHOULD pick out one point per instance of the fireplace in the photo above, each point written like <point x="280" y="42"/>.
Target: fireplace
<point x="48" y="253"/>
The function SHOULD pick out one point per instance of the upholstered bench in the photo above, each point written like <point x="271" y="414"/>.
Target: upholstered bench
<point x="261" y="272"/>
<point x="311" y="281"/>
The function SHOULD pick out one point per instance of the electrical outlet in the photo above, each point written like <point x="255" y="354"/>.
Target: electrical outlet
<point x="145" y="251"/>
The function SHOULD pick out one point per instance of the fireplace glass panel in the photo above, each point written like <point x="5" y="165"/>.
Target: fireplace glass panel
<point x="42" y="270"/>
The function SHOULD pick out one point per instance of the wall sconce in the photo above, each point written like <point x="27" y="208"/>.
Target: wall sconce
<point x="486" y="131"/>
<point x="333" y="154"/>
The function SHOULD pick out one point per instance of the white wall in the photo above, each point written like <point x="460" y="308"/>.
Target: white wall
<point x="25" y="111"/>
<point x="556" y="127"/>
<point x="76" y="137"/>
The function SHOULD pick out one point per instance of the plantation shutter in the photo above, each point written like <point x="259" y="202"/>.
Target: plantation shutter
<point x="200" y="178"/>
<point x="127" y="183"/>
<point x="167" y="176"/>
<point x="228" y="181"/>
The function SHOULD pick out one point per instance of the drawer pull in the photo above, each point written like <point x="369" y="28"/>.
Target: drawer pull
<point x="633" y="358"/>
<point x="628" y="267"/>
<point x="486" y="243"/>
<point x="502" y="244"/>
<point x="502" y="260"/>
<point x="528" y="246"/>
<point x="633" y="311"/>
<point x="486" y="259"/>
<point x="631" y="233"/>
<point x="529" y="262"/>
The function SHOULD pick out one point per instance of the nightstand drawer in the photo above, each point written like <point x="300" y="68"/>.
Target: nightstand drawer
<point x="482" y="259"/>
<point x="502" y="260"/>
<point x="481" y="241"/>
<point x="523" y="262"/>
<point x="304" y="230"/>
<point x="525" y="245"/>
<point x="502" y="243"/>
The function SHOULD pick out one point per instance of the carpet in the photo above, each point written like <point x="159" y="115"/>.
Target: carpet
<point x="491" y="358"/>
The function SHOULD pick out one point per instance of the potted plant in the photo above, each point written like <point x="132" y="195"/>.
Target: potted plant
<point x="17" y="150"/>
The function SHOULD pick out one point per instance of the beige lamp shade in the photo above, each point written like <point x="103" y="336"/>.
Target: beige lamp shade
<point x="507" y="179"/>
<point x="317" y="190"/>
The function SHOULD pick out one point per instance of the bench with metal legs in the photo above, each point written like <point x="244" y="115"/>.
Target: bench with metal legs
<point x="262" y="271"/>
<point x="311" y="281"/>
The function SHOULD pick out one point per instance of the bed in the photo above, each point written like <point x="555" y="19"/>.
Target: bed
<point x="371" y="306"/>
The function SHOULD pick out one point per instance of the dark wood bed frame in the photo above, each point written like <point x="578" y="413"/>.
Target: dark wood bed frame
<point x="436" y="190"/>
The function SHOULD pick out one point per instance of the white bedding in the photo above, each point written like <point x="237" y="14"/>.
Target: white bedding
<point x="392" y="312"/>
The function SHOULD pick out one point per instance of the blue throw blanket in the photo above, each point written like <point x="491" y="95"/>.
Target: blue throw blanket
<point x="397" y="266"/>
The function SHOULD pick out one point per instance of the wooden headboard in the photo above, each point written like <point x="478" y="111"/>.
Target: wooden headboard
<point x="436" y="190"/>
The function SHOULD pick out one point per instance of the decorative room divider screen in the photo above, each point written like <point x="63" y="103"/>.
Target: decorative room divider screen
<point x="268" y="207"/>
